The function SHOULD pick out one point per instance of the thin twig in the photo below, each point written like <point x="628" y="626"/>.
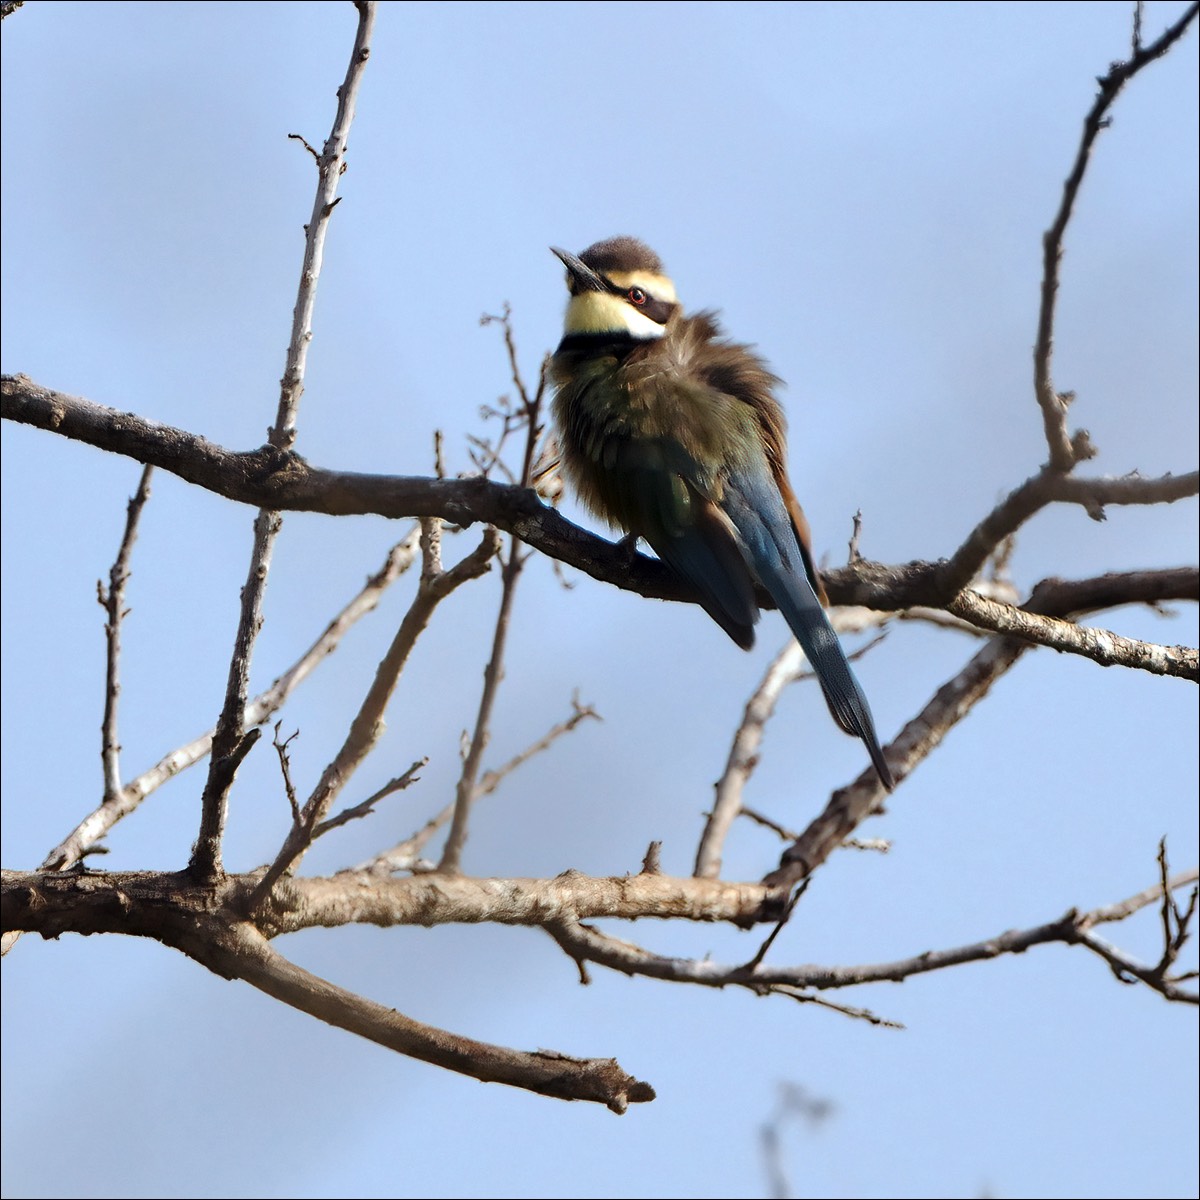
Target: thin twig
<point x="285" y="766"/>
<point x="467" y="790"/>
<point x="585" y="943"/>
<point x="331" y="165"/>
<point x="365" y="807"/>
<point x="490" y="780"/>
<point x="112" y="600"/>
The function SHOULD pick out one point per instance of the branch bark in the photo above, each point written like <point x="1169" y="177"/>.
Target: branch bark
<point x="287" y="483"/>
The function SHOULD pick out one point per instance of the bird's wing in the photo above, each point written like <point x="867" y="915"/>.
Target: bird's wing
<point x="657" y="496"/>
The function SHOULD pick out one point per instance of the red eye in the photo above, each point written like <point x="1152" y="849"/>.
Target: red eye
<point x="636" y="296"/>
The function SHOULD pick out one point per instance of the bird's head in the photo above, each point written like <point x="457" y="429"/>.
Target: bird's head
<point x="618" y="287"/>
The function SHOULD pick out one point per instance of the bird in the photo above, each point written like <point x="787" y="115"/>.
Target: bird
<point x="672" y="432"/>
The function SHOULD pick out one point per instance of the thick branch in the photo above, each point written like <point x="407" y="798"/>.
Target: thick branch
<point x="285" y="482"/>
<point x="201" y="922"/>
<point x="52" y="903"/>
<point x="1100" y="645"/>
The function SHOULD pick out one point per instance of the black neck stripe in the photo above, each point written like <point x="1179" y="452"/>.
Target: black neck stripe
<point x="616" y="341"/>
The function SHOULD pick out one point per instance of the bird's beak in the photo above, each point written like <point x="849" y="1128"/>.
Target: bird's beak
<point x="586" y="280"/>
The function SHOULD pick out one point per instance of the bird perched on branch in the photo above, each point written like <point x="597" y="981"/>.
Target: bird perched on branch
<point x="673" y="433"/>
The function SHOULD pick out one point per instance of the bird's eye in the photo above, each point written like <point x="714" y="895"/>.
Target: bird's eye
<point x="636" y="296"/>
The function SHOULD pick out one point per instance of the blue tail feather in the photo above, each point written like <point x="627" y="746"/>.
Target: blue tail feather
<point x="766" y="531"/>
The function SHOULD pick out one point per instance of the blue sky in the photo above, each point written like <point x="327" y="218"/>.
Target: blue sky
<point x="861" y="189"/>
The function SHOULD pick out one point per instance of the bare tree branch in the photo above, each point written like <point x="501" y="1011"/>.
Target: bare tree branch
<point x="366" y="807"/>
<point x="585" y="943"/>
<point x="112" y="600"/>
<point x="848" y="807"/>
<point x="201" y="922"/>
<point x="230" y="742"/>
<point x="226" y="922"/>
<point x="331" y="165"/>
<point x="743" y="758"/>
<point x="1067" y="450"/>
<point x="1100" y="645"/>
<point x="367" y="726"/>
<point x="51" y="903"/>
<point x="600" y="1080"/>
<point x="288" y="483"/>
<point x="468" y="790"/>
<point x="97" y="823"/>
<point x="489" y="781"/>
<point x="1048" y="487"/>
<point x="851" y="805"/>
<point x="786" y="668"/>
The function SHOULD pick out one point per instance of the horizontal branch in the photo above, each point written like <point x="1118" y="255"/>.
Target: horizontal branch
<point x="52" y="903"/>
<point x="1073" y="928"/>
<point x="172" y="909"/>
<point x="269" y="478"/>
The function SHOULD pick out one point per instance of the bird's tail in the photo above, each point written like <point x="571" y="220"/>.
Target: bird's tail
<point x="798" y="602"/>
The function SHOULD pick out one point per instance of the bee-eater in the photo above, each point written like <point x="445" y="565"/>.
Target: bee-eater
<point x="673" y="433"/>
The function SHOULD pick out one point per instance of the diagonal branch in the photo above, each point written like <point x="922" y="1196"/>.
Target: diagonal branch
<point x="97" y="823"/>
<point x="1029" y="498"/>
<point x="743" y="758"/>
<point x="246" y="954"/>
<point x="364" y="808"/>
<point x="1100" y="645"/>
<point x="404" y="855"/>
<point x="849" y="806"/>
<point x="367" y="726"/>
